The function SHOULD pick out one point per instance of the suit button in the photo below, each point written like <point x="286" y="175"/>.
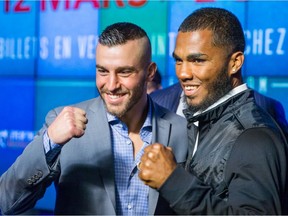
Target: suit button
<point x="33" y="179"/>
<point x="29" y="181"/>
<point x="40" y="173"/>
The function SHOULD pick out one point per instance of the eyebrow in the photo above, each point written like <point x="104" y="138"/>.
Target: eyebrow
<point x="190" y="56"/>
<point x="194" y="56"/>
<point x="117" y="69"/>
<point x="101" y="67"/>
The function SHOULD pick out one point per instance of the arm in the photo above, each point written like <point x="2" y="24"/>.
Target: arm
<point x="254" y="180"/>
<point x="27" y="179"/>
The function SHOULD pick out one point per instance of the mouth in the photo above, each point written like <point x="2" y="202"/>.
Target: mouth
<point x="114" y="98"/>
<point x="190" y="90"/>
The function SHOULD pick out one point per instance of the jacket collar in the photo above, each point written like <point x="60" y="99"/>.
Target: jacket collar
<point x="214" y="113"/>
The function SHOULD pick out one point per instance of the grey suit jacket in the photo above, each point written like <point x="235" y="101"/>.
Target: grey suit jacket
<point x="83" y="172"/>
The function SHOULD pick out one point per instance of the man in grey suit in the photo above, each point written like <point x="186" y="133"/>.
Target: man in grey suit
<point x="90" y="150"/>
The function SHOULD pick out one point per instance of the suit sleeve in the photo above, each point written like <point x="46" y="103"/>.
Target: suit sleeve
<point x="254" y="180"/>
<point x="26" y="180"/>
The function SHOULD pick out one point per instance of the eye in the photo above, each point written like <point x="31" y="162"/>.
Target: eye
<point x="177" y="61"/>
<point x="197" y="60"/>
<point x="125" y="73"/>
<point x="101" y="71"/>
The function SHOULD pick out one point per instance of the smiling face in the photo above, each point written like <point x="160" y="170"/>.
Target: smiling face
<point x="202" y="68"/>
<point x="122" y="73"/>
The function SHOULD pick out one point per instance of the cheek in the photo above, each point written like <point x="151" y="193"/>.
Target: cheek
<point x="177" y="70"/>
<point x="206" y="74"/>
<point x="100" y="81"/>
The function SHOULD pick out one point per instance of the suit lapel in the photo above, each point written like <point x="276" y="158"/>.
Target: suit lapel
<point x="105" y="161"/>
<point x="160" y="126"/>
<point x="161" y="133"/>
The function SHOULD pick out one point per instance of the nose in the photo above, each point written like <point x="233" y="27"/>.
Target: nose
<point x="112" y="82"/>
<point x="183" y="71"/>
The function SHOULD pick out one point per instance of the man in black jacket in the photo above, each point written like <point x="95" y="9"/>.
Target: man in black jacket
<point x="173" y="98"/>
<point x="237" y="162"/>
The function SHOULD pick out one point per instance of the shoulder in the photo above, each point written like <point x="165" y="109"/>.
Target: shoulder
<point x="259" y="144"/>
<point x="271" y="105"/>
<point x="164" y="113"/>
<point x="168" y="97"/>
<point x="166" y="92"/>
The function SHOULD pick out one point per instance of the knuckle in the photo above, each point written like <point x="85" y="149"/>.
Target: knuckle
<point x="157" y="146"/>
<point x="145" y="174"/>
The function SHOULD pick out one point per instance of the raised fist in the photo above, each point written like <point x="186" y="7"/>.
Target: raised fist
<point x="71" y="122"/>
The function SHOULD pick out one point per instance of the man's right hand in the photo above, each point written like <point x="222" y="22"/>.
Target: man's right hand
<point x="71" y="122"/>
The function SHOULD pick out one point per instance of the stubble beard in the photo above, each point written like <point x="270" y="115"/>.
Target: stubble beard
<point x="122" y="109"/>
<point x="220" y="87"/>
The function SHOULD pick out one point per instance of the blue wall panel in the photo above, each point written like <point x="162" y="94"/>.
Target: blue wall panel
<point x="47" y="55"/>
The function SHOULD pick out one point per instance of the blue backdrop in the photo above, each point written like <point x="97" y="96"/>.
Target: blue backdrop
<point x="47" y="55"/>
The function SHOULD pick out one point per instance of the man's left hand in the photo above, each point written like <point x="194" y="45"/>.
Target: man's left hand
<point x="157" y="164"/>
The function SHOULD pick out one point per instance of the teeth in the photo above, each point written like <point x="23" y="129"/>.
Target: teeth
<point x="191" y="87"/>
<point x="114" y="96"/>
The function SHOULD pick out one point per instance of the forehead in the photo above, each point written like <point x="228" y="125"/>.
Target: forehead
<point x="129" y="54"/>
<point x="199" y="41"/>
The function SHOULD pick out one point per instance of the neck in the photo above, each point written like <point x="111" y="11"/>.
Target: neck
<point x="136" y="116"/>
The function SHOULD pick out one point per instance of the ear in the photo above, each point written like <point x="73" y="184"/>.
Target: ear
<point x="236" y="62"/>
<point x="151" y="71"/>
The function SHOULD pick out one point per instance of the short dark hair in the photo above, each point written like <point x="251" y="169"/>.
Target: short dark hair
<point x="226" y="28"/>
<point x="121" y="32"/>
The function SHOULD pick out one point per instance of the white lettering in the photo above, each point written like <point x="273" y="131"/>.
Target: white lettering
<point x="279" y="49"/>
<point x="62" y="47"/>
<point x="19" y="48"/>
<point x="268" y="41"/>
<point x="82" y="43"/>
<point x="265" y="41"/>
<point x="57" y="47"/>
<point x="247" y="34"/>
<point x="44" y="42"/>
<point x="27" y="47"/>
<point x="158" y="44"/>
<point x="67" y="44"/>
<point x="86" y="46"/>
<point x="257" y="42"/>
<point x="91" y="47"/>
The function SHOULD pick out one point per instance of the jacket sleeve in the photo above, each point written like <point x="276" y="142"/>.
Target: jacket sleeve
<point x="26" y="180"/>
<point x="254" y="183"/>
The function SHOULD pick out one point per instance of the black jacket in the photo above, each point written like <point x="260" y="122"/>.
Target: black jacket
<point x="240" y="166"/>
<point x="170" y="97"/>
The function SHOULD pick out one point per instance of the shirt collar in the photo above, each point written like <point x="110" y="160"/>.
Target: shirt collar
<point x="148" y="121"/>
<point x="230" y="94"/>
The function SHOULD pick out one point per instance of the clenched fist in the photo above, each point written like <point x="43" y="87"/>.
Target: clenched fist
<point x="157" y="164"/>
<point x="71" y="122"/>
